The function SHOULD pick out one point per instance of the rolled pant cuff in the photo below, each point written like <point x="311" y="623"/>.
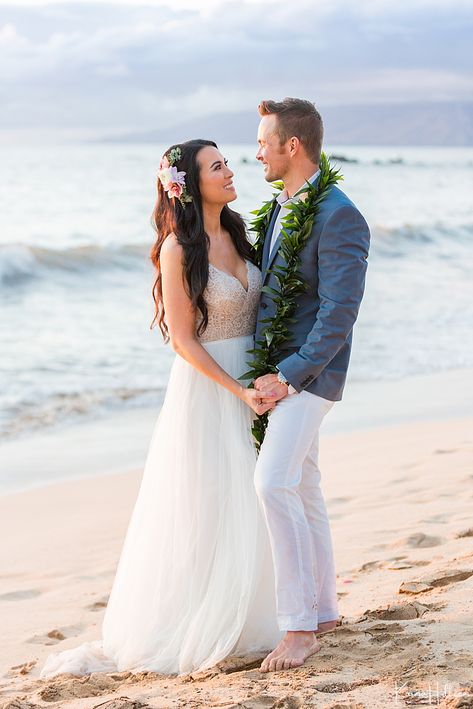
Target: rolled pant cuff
<point x="326" y="617"/>
<point x="288" y="623"/>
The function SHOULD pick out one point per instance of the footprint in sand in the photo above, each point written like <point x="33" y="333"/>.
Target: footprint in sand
<point x="56" y="635"/>
<point x="414" y="587"/>
<point x="436" y="579"/>
<point x="335" y="687"/>
<point x="20" y="704"/>
<point x="405" y="564"/>
<point x="20" y="595"/>
<point x="447" y="576"/>
<point x="396" y="562"/>
<point x="382" y="633"/>
<point x="406" y="611"/>
<point x="419" y="541"/>
<point x="370" y="565"/>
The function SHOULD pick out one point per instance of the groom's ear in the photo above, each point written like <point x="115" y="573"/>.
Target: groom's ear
<point x="294" y="145"/>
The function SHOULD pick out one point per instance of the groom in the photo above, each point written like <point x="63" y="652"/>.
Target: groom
<point x="311" y="375"/>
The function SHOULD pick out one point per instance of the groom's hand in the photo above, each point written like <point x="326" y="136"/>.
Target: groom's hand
<point x="268" y="385"/>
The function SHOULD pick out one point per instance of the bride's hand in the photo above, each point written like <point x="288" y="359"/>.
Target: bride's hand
<point x="260" y="404"/>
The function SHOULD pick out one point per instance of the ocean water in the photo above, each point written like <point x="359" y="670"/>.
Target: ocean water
<point x="75" y="276"/>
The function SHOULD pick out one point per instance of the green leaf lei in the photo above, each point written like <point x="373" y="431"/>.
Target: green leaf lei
<point x="296" y="229"/>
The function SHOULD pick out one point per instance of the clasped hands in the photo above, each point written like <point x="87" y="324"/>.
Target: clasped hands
<point x="266" y="393"/>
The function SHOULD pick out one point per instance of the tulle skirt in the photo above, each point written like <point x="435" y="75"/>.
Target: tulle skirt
<point x="195" y="580"/>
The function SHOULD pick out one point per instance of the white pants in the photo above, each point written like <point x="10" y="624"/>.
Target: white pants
<point x="287" y="481"/>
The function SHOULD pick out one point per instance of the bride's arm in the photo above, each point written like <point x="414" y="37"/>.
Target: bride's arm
<point x="181" y="321"/>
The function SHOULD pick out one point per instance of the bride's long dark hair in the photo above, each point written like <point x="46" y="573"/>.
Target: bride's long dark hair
<point x="187" y="223"/>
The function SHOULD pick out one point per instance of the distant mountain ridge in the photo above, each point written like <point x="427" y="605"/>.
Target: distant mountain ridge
<point x="436" y="124"/>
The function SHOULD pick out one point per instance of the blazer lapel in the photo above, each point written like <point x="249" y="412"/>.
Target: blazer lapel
<point x="269" y="260"/>
<point x="273" y="253"/>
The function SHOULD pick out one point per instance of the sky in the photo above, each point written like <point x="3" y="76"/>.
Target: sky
<point x="112" y="66"/>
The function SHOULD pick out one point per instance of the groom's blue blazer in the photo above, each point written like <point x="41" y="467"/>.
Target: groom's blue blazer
<point x="333" y="264"/>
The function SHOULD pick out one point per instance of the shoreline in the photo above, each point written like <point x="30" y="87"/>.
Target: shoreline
<point x="119" y="442"/>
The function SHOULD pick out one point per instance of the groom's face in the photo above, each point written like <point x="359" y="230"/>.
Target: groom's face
<point x="273" y="155"/>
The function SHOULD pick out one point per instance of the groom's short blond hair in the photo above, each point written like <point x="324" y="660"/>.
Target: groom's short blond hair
<point x="300" y="119"/>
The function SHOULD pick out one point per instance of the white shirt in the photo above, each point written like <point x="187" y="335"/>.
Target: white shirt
<point x="284" y="200"/>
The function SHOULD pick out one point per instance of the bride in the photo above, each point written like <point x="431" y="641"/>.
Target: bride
<point x="195" y="580"/>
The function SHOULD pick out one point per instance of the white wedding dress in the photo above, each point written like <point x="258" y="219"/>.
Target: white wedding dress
<point x="195" y="580"/>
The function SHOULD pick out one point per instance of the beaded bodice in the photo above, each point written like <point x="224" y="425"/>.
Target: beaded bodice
<point x="232" y="309"/>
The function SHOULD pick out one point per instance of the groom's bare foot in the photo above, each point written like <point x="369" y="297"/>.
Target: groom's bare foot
<point x="293" y="650"/>
<point x="326" y="627"/>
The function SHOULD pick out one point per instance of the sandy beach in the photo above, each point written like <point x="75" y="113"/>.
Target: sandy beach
<point x="400" y="501"/>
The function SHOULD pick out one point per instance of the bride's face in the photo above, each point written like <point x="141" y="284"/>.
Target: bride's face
<point x="215" y="179"/>
<point x="273" y="155"/>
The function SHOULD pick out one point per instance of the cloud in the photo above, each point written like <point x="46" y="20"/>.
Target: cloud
<point x="121" y="65"/>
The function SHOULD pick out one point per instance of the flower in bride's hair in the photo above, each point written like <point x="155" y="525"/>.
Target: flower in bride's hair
<point x="174" y="183"/>
<point x="170" y="176"/>
<point x="175" y="190"/>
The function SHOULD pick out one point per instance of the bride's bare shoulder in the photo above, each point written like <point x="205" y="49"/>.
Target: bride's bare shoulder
<point x="171" y="251"/>
<point x="171" y="244"/>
